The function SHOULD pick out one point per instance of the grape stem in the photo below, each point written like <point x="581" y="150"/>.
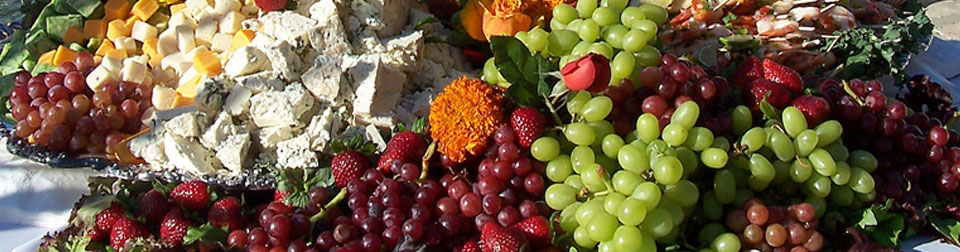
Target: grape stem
<point x="553" y="111"/>
<point x="426" y="162"/>
<point x="332" y="203"/>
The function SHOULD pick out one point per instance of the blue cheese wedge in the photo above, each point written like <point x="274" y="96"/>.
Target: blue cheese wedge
<point x="268" y="137"/>
<point x="287" y="25"/>
<point x="246" y="60"/>
<point x="278" y="108"/>
<point x="380" y="89"/>
<point x="188" y="155"/>
<point x="324" y="81"/>
<point x="262" y="81"/>
<point x="186" y="125"/>
<point x="296" y="153"/>
<point x="238" y="101"/>
<point x="284" y="58"/>
<point x="221" y="128"/>
<point x="233" y="151"/>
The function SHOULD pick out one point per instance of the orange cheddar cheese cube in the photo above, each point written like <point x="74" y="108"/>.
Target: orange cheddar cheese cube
<point x="120" y="54"/>
<point x="155" y="61"/>
<point x="116" y="9"/>
<point x="189" y="88"/>
<point x="144" y="9"/>
<point x="63" y="54"/>
<point x="47" y="57"/>
<point x="241" y="39"/>
<point x="177" y="8"/>
<point x="116" y="29"/>
<point x="105" y="47"/>
<point x="95" y="28"/>
<point x="149" y="47"/>
<point x="73" y="35"/>
<point x="181" y="101"/>
<point x="207" y="63"/>
<point x="130" y="21"/>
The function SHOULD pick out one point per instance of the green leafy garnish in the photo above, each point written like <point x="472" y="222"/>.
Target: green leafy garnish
<point x="883" y="226"/>
<point x="207" y="234"/>
<point x="871" y="53"/>
<point x="526" y="72"/>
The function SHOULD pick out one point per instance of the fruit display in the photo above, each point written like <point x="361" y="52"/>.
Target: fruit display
<point x="487" y="125"/>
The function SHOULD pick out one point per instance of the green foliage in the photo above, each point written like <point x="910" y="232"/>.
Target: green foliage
<point x="871" y="53"/>
<point x="207" y="234"/>
<point x="883" y="226"/>
<point x="526" y="72"/>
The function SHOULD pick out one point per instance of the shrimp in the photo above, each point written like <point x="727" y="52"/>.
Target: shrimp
<point x="767" y="26"/>
<point x="782" y="6"/>
<point x="802" y="14"/>
<point x="836" y="18"/>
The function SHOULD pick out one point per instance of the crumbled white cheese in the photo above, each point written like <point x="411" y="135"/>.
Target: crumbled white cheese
<point x="283" y="58"/>
<point x="321" y="129"/>
<point x="402" y="51"/>
<point x="232" y="151"/>
<point x="324" y="78"/>
<point x="269" y="136"/>
<point x="296" y="153"/>
<point x="150" y="148"/>
<point x="186" y="125"/>
<point x="276" y="108"/>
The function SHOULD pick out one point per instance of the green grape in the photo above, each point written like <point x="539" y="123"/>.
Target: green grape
<point x="647" y="56"/>
<point x="626" y="181"/>
<point x="828" y="132"/>
<point x="592" y="179"/>
<point x="675" y="134"/>
<point x="863" y="159"/>
<point x="710" y="232"/>
<point x="588" y="210"/>
<point x="726" y="242"/>
<point x="649" y="245"/>
<point x="611" y="203"/>
<point x="867" y="197"/>
<point x="761" y="168"/>
<point x="800" y="170"/>
<point x="559" y="196"/>
<point x="639" y="143"/>
<point x="602" y="226"/>
<point x="674" y="209"/>
<point x="616" y="5"/>
<point x="545" y="149"/>
<point x="634" y="40"/>
<point x="648" y="127"/>
<point x="793" y="121"/>
<point x="861" y="181"/>
<point x="605" y="16"/>
<point x="581" y="238"/>
<point x="819" y="204"/>
<point x="559" y="168"/>
<point x="648" y="27"/>
<point x="586" y="7"/>
<point x="579" y="50"/>
<point x="822" y="162"/>
<point x="686" y="114"/>
<point x="842" y="195"/>
<point x="838" y="151"/>
<point x="781" y="145"/>
<point x="819" y="185"/>
<point x="555" y="25"/>
<point x="602" y="48"/>
<point x="658" y="223"/>
<point x="606" y="246"/>
<point x="655" y="13"/>
<point x="742" y="119"/>
<point x="537" y="39"/>
<point x="574" y="181"/>
<point x="805" y="142"/>
<point x="712" y="209"/>
<point x="689" y="160"/>
<point x="648" y="194"/>
<point x="611" y="145"/>
<point x="633" y="159"/>
<point x="602" y="128"/>
<point x="699" y="138"/>
<point x="614" y="35"/>
<point x="576" y="100"/>
<point x="568" y="215"/>
<point x="522" y="36"/>
<point x="627" y="238"/>
<point x="667" y="170"/>
<point x="724" y="186"/>
<point x="684" y="192"/>
<point x="589" y="30"/>
<point x="490" y="73"/>
<point x="753" y="139"/>
<point x="657" y="147"/>
<point x="842" y="177"/>
<point x="622" y="65"/>
<point x="580" y="157"/>
<point x="721" y="143"/>
<point x="630" y="15"/>
<point x="560" y="42"/>
<point x="631" y="211"/>
<point x="714" y="158"/>
<point x="782" y="172"/>
<point x="579" y="134"/>
<point x="564" y="13"/>
<point x="597" y="108"/>
<point x="574" y="26"/>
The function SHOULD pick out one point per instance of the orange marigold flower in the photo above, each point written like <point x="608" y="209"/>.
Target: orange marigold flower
<point x="463" y="117"/>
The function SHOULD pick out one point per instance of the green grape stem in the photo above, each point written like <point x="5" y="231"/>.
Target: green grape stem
<point x="553" y="111"/>
<point x="332" y="203"/>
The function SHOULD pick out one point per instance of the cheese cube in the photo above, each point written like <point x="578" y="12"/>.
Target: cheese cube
<point x="182" y="101"/>
<point x="99" y="76"/>
<point x="112" y="64"/>
<point x="162" y="97"/>
<point x="133" y="71"/>
<point x="63" y="54"/>
<point x="94" y="28"/>
<point x="47" y="57"/>
<point x="197" y="5"/>
<point x="105" y="47"/>
<point x="225" y="6"/>
<point x="187" y="86"/>
<point x="162" y="74"/>
<point x="127" y="44"/>
<point x="241" y="39"/>
<point x="156" y="61"/>
<point x="149" y="48"/>
<point x="73" y="35"/>
<point x="117" y="28"/>
<point x="192" y="53"/>
<point x="221" y="42"/>
<point x="130" y="21"/>
<point x="185" y="38"/>
<point x="177" y="8"/>
<point x="207" y="63"/>
<point x="143" y="9"/>
<point x="147" y="79"/>
<point x="143" y="31"/>
<point x="180" y="19"/>
<point x="176" y="61"/>
<point x="206" y="28"/>
<point x="206" y="12"/>
<point x="116" y="9"/>
<point x="167" y="43"/>
<point x="118" y="54"/>
<point x="231" y="22"/>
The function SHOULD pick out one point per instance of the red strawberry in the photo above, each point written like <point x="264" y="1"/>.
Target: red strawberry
<point x="174" y="227"/>
<point x="96" y="235"/>
<point x="271" y="5"/>
<point x="226" y="212"/>
<point x="747" y="72"/>
<point x="536" y="229"/>
<point x="470" y="246"/>
<point x="191" y="195"/>
<point x="154" y="205"/>
<point x="348" y="165"/>
<point x="776" y="95"/>
<point x="280" y="195"/>
<point x="406" y="146"/>
<point x="782" y="75"/>
<point x="125" y="229"/>
<point x="815" y="108"/>
<point x="528" y="123"/>
<point x="498" y="239"/>
<point x="107" y="217"/>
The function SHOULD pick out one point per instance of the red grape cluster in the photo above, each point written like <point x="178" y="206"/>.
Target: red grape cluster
<point x="771" y="228"/>
<point x="928" y="97"/>
<point x="280" y="226"/>
<point x="57" y="109"/>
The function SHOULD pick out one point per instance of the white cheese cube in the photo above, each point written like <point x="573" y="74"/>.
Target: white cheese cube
<point x="206" y="12"/>
<point x="206" y="28"/>
<point x="223" y="7"/>
<point x="163" y="74"/>
<point x="187" y="76"/>
<point x="162" y="97"/>
<point x="189" y="156"/>
<point x="286" y="107"/>
<point x="185" y="39"/>
<point x="197" y="5"/>
<point x="167" y="43"/>
<point x="112" y="64"/>
<point x="134" y="71"/>
<point x="245" y="61"/>
<point x="177" y="62"/>
<point x="99" y="76"/>
<point x="127" y="44"/>
<point x="249" y="10"/>
<point x="231" y="22"/>
<point x="183" y="18"/>
<point x="221" y="42"/>
<point x="143" y="31"/>
<point x="232" y="152"/>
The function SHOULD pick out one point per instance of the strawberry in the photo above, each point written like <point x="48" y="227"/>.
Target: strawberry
<point x="348" y="165"/>
<point x="470" y="246"/>
<point x="536" y="229"/>
<point x="96" y="235"/>
<point x="747" y="72"/>
<point x="494" y="238"/>
<point x="761" y="89"/>
<point x="815" y="109"/>
<point x="107" y="217"/>
<point x="406" y="146"/>
<point x="782" y="75"/>
<point x="125" y="229"/>
<point x="191" y="195"/>
<point x="174" y="227"/>
<point x="226" y="212"/>
<point x="153" y="205"/>
<point x="271" y="5"/>
<point x="528" y="123"/>
<point x="279" y="195"/>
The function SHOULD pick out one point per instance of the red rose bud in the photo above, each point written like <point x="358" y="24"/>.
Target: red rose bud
<point x="592" y="73"/>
